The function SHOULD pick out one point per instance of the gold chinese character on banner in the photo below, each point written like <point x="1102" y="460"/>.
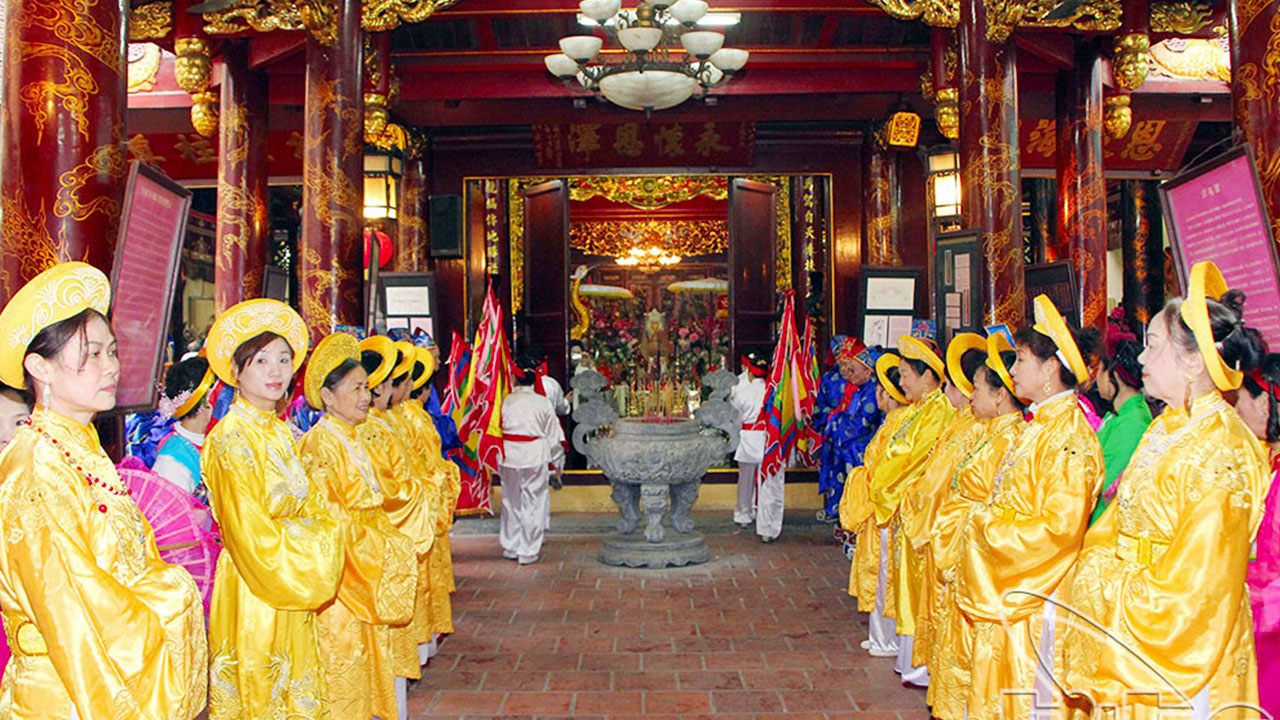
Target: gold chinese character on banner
<point x="1143" y="143"/>
<point x="670" y="139"/>
<point x="709" y="141"/>
<point x="584" y="139"/>
<point x="626" y="140"/>
<point x="195" y="149"/>
<point x="1043" y="140"/>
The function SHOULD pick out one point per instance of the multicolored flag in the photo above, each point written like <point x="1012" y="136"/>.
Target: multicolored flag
<point x="478" y="408"/>
<point x="786" y="397"/>
<point x="810" y="439"/>
<point x="459" y="368"/>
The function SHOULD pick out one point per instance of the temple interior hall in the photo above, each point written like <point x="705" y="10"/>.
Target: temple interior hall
<point x="647" y="201"/>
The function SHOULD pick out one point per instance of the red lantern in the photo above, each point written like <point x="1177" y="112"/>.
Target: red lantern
<point x="385" y="248"/>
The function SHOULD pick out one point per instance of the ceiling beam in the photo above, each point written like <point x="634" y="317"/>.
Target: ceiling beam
<point x="476" y="8"/>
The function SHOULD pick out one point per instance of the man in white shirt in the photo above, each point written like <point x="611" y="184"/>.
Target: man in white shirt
<point x="747" y="397"/>
<point x="532" y="450"/>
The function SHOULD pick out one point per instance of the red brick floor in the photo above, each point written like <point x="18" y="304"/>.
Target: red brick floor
<point x="762" y="631"/>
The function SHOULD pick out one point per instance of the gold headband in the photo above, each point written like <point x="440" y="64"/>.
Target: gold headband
<point x="61" y="292"/>
<point x="386" y="349"/>
<point x="197" y="395"/>
<point x="961" y="344"/>
<point x="1048" y="321"/>
<point x="886" y="361"/>
<point x="914" y="349"/>
<point x="1207" y="282"/>
<point x="329" y="354"/>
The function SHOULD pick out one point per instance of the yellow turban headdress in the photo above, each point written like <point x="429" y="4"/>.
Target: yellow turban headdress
<point x="886" y="361"/>
<point x="1048" y="321"/>
<point x="386" y="349"/>
<point x="61" y="292"/>
<point x="329" y="354"/>
<point x="1207" y="282"/>
<point x="247" y="320"/>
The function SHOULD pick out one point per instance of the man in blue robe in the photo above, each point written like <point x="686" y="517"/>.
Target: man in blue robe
<point x="848" y="418"/>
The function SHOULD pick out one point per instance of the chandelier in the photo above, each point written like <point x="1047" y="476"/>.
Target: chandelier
<point x="652" y="73"/>
<point x="647" y="260"/>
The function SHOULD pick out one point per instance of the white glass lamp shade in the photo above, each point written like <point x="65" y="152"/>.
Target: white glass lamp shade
<point x="582" y="48"/>
<point x="640" y="39"/>
<point x="710" y="75"/>
<point x="561" y="65"/>
<point x="649" y="90"/>
<point x="600" y="10"/>
<point x="729" y="60"/>
<point x="946" y="194"/>
<point x="702" y="43"/>
<point x="688" y="11"/>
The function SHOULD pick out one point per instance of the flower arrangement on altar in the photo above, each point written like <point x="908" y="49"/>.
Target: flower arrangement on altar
<point x="695" y="337"/>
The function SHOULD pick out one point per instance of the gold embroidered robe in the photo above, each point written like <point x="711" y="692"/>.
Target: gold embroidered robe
<point x="379" y="575"/>
<point x="1163" y="570"/>
<point x="919" y="505"/>
<point x="970" y="484"/>
<point x="98" y="624"/>
<point x="1020" y="544"/>
<point x="412" y="512"/>
<point x="905" y="459"/>
<point x="436" y="615"/>
<point x="857" y="514"/>
<point x="282" y="560"/>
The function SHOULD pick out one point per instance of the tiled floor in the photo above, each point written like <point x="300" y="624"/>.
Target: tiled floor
<point x="763" y="631"/>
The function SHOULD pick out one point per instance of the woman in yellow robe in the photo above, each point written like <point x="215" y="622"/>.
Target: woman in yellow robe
<point x="99" y="626"/>
<point x="870" y="558"/>
<point x="994" y="404"/>
<point x="1020" y="543"/>
<point x="908" y="454"/>
<point x="857" y="515"/>
<point x="426" y="365"/>
<point x="1163" y="572"/>
<point x="282" y="549"/>
<point x="965" y="355"/>
<point x="380" y="571"/>
<point x="443" y="476"/>
<point x="405" y="499"/>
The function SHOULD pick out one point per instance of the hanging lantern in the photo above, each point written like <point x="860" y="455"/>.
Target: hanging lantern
<point x="385" y="248"/>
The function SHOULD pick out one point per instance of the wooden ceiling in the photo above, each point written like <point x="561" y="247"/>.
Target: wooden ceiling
<point x="479" y="63"/>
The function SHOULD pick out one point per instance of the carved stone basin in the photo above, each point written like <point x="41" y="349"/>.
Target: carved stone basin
<point x="653" y="464"/>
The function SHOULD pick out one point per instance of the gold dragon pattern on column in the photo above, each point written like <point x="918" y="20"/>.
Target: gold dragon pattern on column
<point x="883" y="196"/>
<point x="1255" y="90"/>
<point x="1082" y="189"/>
<point x="990" y="164"/>
<point x="330" y="257"/>
<point x="64" y="127"/>
<point x="240" y="242"/>
<point x="412" y="241"/>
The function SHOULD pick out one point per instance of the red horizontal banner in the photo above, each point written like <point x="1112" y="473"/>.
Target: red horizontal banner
<point x="644" y="144"/>
<point x="188" y="156"/>
<point x="1149" y="145"/>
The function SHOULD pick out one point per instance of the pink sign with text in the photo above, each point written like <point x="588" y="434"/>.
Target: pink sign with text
<point x="1217" y="214"/>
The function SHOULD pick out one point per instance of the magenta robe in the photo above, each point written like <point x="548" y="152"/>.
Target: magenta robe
<point x="1264" y="592"/>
